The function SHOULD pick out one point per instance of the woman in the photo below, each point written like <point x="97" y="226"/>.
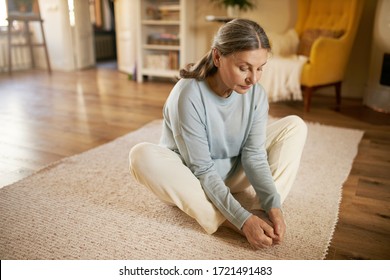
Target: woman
<point x="216" y="141"/>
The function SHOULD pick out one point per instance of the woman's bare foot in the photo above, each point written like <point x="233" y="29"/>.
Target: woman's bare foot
<point x="262" y="215"/>
<point x="259" y="213"/>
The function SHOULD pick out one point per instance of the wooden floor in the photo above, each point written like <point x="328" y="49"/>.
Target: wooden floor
<point x="44" y="118"/>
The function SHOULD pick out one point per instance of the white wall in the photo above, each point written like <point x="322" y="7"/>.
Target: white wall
<point x="69" y="47"/>
<point x="276" y="16"/>
<point x="358" y="68"/>
<point x="126" y="30"/>
<point x="58" y="34"/>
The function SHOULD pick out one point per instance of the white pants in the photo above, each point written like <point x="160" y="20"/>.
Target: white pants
<point x="163" y="172"/>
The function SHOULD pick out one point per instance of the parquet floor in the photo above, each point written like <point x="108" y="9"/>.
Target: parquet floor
<point x="44" y="118"/>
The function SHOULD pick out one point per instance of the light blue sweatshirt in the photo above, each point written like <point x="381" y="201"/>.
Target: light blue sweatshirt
<point x="213" y="135"/>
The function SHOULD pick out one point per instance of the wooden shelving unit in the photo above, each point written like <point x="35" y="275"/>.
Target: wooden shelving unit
<point x="165" y="37"/>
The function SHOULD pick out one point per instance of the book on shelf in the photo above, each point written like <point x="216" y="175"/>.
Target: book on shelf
<point x="174" y="60"/>
<point x="163" y="39"/>
<point x="163" y="61"/>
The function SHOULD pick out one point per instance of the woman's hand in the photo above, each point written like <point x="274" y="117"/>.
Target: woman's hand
<point x="279" y="226"/>
<point x="258" y="232"/>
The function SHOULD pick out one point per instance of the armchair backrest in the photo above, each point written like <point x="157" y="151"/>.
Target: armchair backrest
<point x="334" y="15"/>
<point x="326" y="29"/>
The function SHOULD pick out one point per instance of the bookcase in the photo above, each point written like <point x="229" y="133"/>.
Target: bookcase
<point x="166" y="40"/>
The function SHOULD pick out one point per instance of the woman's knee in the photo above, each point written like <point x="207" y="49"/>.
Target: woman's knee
<point x="140" y="153"/>
<point x="148" y="157"/>
<point x="297" y="125"/>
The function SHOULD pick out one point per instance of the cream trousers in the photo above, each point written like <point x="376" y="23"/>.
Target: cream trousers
<point x="163" y="172"/>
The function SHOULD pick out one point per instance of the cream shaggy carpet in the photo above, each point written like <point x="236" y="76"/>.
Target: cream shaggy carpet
<point x="88" y="207"/>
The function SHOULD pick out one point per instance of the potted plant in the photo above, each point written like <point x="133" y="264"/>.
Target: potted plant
<point x="233" y="7"/>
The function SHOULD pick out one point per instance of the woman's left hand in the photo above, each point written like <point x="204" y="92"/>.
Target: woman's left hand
<point x="276" y="217"/>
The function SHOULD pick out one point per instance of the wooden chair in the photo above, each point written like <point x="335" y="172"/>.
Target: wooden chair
<point x="327" y="30"/>
<point x="25" y="11"/>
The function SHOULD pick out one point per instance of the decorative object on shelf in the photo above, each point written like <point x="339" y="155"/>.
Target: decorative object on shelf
<point x="233" y="7"/>
<point x="167" y="11"/>
<point x="222" y="19"/>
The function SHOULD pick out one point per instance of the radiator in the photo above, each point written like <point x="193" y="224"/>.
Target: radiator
<point x="20" y="55"/>
<point x="105" y="45"/>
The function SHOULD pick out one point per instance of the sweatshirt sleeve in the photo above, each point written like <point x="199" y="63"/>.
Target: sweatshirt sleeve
<point x="254" y="157"/>
<point x="192" y="144"/>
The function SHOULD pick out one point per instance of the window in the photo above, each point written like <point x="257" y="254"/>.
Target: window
<point x="71" y="12"/>
<point x="3" y="14"/>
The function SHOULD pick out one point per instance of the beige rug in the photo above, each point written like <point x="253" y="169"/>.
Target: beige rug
<point x="88" y="207"/>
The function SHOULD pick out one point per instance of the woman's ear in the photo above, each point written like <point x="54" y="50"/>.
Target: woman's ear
<point x="216" y="57"/>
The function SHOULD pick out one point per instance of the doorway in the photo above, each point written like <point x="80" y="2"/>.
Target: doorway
<point x="103" y="22"/>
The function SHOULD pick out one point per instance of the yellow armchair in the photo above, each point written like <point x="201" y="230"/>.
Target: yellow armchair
<point x="328" y="28"/>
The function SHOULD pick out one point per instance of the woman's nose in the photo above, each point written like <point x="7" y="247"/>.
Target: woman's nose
<point x="251" y="79"/>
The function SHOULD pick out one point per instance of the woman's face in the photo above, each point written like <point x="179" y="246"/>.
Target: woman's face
<point x="240" y="70"/>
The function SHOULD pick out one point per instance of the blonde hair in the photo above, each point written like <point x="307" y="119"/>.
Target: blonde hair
<point x="235" y="36"/>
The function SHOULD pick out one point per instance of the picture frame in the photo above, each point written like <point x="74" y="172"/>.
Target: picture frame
<point x="23" y="9"/>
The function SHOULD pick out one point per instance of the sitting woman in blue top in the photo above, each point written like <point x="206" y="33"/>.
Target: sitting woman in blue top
<point x="216" y="141"/>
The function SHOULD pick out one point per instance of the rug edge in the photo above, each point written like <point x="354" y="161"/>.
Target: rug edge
<point x="340" y="195"/>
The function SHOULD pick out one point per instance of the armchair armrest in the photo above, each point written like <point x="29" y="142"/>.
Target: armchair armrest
<point x="328" y="59"/>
